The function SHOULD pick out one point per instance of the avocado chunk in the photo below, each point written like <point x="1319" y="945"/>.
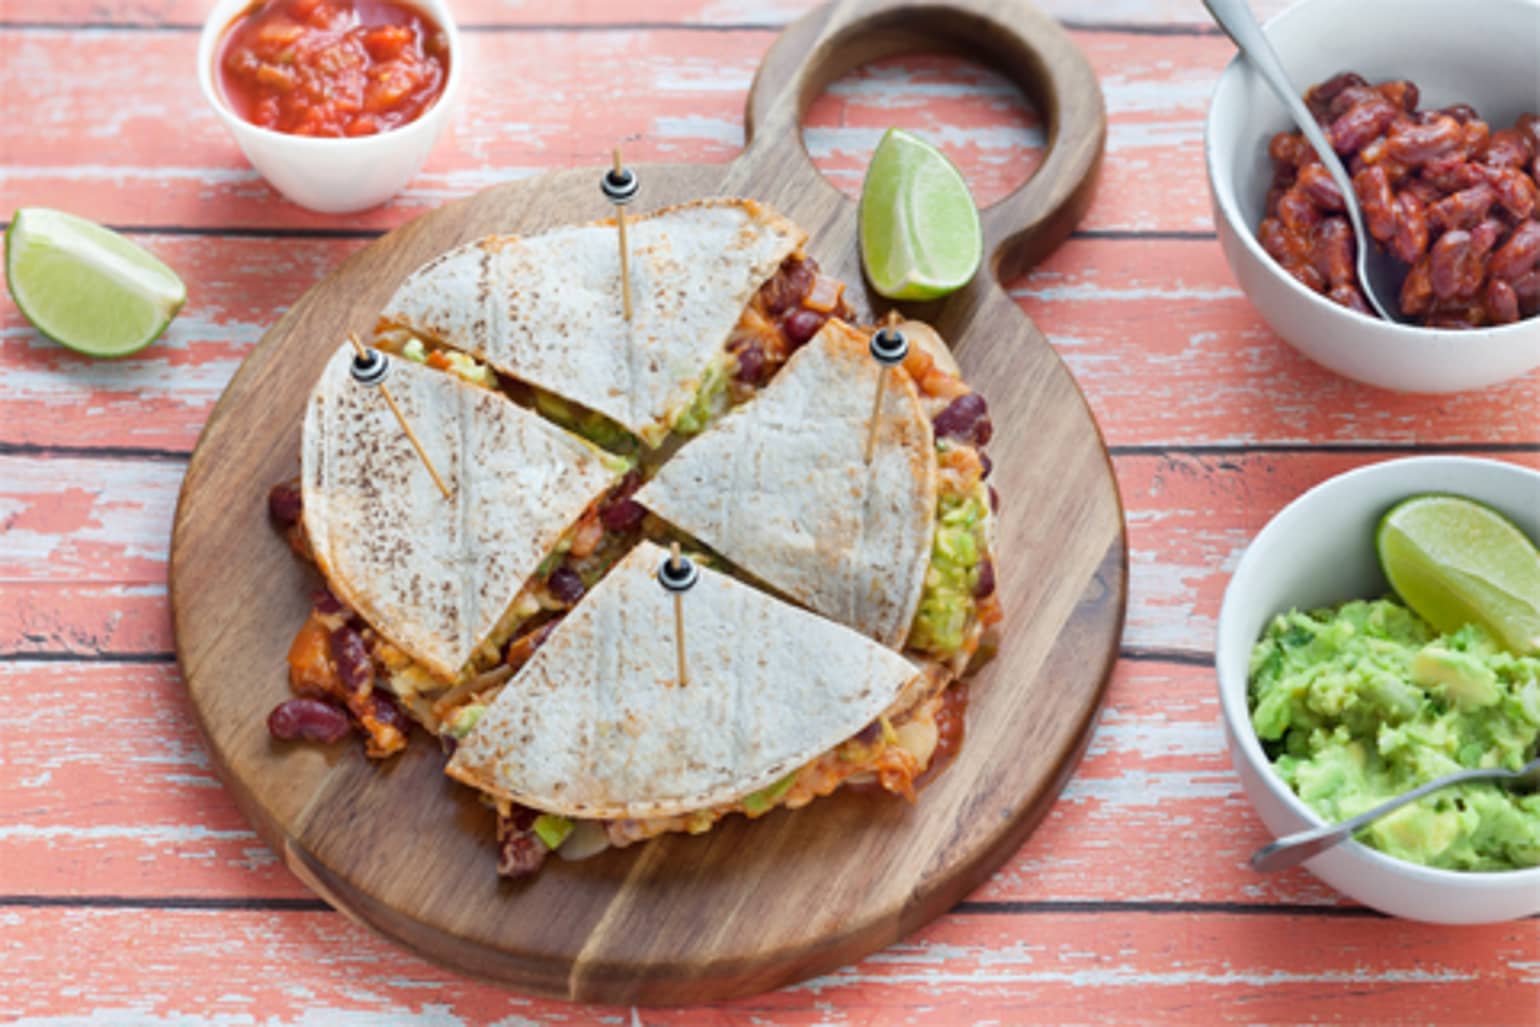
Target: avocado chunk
<point x="1467" y="682"/>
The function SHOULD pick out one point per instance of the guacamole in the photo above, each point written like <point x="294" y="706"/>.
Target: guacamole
<point x="947" y="601"/>
<point x="1358" y="704"/>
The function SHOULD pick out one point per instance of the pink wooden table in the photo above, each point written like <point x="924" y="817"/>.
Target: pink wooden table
<point x="131" y="890"/>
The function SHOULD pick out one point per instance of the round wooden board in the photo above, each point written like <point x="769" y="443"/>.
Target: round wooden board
<point x="751" y="905"/>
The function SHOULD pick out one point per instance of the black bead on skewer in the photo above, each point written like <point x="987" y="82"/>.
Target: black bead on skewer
<point x="370" y="367"/>
<point x="889" y="346"/>
<point x="619" y="186"/>
<point x="678" y="574"/>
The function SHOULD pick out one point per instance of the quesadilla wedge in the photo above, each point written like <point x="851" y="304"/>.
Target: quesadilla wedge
<point x="899" y="548"/>
<point x="721" y="290"/>
<point x="424" y="592"/>
<point x="596" y="735"/>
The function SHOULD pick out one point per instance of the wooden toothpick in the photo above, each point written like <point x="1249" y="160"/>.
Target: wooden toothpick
<point x="678" y="574"/>
<point x="362" y="355"/>
<point x="619" y="186"/>
<point x="888" y="347"/>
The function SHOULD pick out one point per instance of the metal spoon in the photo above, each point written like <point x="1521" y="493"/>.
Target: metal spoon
<point x="1378" y="274"/>
<point x="1292" y="850"/>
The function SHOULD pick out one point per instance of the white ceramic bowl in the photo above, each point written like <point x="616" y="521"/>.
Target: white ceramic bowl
<point x="1483" y="53"/>
<point x="1318" y="551"/>
<point x="334" y="176"/>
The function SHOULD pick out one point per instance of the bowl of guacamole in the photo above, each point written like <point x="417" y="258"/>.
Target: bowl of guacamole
<point x="1337" y="696"/>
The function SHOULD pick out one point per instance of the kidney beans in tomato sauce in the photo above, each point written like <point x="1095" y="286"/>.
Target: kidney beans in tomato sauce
<point x="308" y="720"/>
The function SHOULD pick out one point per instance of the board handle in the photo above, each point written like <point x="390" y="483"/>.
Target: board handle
<point x="1010" y="36"/>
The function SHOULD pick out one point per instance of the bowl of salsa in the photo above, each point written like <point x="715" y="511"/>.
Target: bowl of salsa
<point x="336" y="103"/>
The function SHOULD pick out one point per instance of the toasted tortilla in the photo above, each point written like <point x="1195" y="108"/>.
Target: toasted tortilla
<point x="780" y="486"/>
<point x="596" y="725"/>
<point x="547" y="309"/>
<point x="434" y="576"/>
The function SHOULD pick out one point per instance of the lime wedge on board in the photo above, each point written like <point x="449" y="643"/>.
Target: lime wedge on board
<point x="86" y="286"/>
<point x="1455" y="561"/>
<point x="920" y="235"/>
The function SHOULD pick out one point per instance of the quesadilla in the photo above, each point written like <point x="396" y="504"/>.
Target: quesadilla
<point x="897" y="549"/>
<point x="434" y="587"/>
<point x="546" y="312"/>
<point x="780" y="706"/>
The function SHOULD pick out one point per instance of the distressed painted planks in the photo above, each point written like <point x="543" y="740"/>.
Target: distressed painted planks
<point x="678" y="93"/>
<point x="95" y="533"/>
<point x="92" y="967"/>
<point x="529" y="14"/>
<point x="1159" y="337"/>
<point x="1156" y="775"/>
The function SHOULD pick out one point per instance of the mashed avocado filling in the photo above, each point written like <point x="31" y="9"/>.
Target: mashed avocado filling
<point x="590" y="424"/>
<point x="1361" y="703"/>
<point x="468" y="368"/>
<point x="947" y="605"/>
<point x="711" y="398"/>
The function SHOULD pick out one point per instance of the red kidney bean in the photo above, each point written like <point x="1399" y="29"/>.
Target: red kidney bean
<point x="622" y="515"/>
<point x="355" y="670"/>
<point x="387" y="711"/>
<point x="1417" y="290"/>
<point x="1519" y="254"/>
<point x="801" y="325"/>
<point x="324" y="602"/>
<point x="1379" y="204"/>
<point x="1414" y="144"/>
<point x="1282" y="245"/>
<point x="1512" y="188"/>
<point x="1508" y="148"/>
<point x="1351" y="96"/>
<point x="285" y="503"/>
<point x="1502" y="302"/>
<point x="967" y="418"/>
<point x="1332" y="251"/>
<point x="1319" y="97"/>
<point x="1297" y="212"/>
<point x="1402" y="93"/>
<point x="1316" y="183"/>
<point x="1461" y="112"/>
<point x="1527" y="288"/>
<point x="1286" y="149"/>
<point x="787" y="287"/>
<point x="751" y="363"/>
<point x="994" y="498"/>
<point x="307" y="720"/>
<point x="1477" y="135"/>
<point x="1464" y="209"/>
<point x="1348" y="295"/>
<point x="1411" y="238"/>
<point x="1450" y="264"/>
<point x="985" y="586"/>
<point x="1359" y="124"/>
<point x="566" y="584"/>
<point x="989" y="465"/>
<point x="870" y="733"/>
<point x="520" y="852"/>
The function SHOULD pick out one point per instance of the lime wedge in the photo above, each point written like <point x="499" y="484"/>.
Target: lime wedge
<point x="920" y="235"/>
<point x="1455" y="561"/>
<point x="86" y="286"/>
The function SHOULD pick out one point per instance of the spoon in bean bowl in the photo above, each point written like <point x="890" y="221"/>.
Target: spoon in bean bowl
<point x="1379" y="276"/>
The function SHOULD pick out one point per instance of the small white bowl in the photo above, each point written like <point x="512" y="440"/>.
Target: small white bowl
<point x="1482" y="54"/>
<point x="1319" y="551"/>
<point x="334" y="176"/>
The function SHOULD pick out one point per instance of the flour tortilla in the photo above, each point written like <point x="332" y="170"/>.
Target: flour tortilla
<point x="596" y="725"/>
<point x="547" y="309"/>
<point x="434" y="576"/>
<point x="780" y="486"/>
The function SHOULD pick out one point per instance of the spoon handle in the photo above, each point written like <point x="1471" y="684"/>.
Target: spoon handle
<point x="1235" y="17"/>
<point x="1292" y="850"/>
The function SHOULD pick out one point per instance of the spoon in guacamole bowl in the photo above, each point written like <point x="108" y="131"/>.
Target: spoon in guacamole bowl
<point x="1303" y="845"/>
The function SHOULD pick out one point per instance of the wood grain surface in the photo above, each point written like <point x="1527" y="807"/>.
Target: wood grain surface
<point x="751" y="906"/>
<point x="132" y="891"/>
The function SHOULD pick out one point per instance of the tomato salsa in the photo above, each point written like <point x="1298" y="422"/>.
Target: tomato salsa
<point x="332" y="67"/>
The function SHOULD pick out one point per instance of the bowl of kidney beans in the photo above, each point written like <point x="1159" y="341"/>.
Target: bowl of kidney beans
<point x="1437" y="119"/>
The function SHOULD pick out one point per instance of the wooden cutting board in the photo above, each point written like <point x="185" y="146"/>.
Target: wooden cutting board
<point x="749" y="906"/>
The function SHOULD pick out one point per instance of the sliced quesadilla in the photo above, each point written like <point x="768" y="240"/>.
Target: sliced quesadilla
<point x="780" y="706"/>
<point x="721" y="294"/>
<point x="423" y="591"/>
<point x="897" y="548"/>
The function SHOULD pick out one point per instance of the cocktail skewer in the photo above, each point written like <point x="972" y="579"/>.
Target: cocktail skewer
<point x="620" y="186"/>
<point x="678" y="574"/>
<point x="888" y="347"/>
<point x="370" y="366"/>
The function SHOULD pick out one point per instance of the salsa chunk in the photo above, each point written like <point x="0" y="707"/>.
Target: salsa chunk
<point x="332" y="67"/>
